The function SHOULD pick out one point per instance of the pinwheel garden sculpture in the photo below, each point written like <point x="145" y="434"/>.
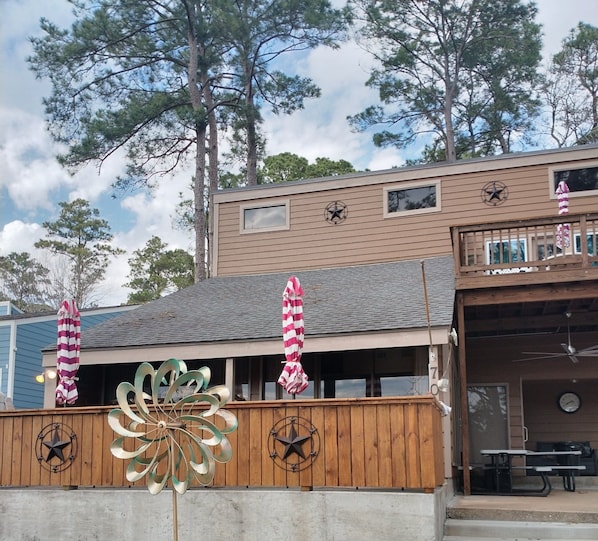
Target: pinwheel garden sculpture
<point x="164" y="428"/>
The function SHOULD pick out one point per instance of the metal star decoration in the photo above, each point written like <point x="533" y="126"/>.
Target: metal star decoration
<point x="293" y="443"/>
<point x="336" y="212"/>
<point x="60" y="447"/>
<point x="56" y="447"/>
<point x="494" y="193"/>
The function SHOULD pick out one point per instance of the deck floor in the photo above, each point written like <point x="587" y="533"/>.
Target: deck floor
<point x="558" y="506"/>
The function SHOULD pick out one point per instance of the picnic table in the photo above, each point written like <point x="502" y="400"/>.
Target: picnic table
<point x="502" y="467"/>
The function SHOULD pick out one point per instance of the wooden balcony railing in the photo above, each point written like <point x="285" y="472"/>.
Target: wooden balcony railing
<point x="489" y="255"/>
<point x="371" y="442"/>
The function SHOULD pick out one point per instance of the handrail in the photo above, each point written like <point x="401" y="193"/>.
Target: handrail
<point x="517" y="246"/>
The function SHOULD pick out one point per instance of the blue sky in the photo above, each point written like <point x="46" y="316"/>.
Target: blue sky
<point x="32" y="182"/>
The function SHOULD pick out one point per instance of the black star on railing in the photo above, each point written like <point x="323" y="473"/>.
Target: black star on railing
<point x="293" y="443"/>
<point x="56" y="447"/>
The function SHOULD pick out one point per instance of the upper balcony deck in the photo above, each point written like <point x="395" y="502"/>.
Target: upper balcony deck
<point x="522" y="252"/>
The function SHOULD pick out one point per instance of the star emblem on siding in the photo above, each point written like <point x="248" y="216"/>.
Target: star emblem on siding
<point x="494" y="193"/>
<point x="336" y="212"/>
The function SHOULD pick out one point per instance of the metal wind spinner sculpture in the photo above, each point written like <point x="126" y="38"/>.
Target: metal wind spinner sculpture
<point x="167" y="435"/>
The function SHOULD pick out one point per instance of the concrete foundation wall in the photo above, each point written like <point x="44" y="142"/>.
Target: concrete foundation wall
<point x="220" y="515"/>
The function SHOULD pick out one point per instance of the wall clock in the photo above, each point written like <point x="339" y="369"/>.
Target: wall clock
<point x="569" y="402"/>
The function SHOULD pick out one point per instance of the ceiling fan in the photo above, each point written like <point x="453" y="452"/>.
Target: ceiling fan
<point x="568" y="349"/>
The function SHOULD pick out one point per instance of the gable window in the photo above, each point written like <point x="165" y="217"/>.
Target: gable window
<point x="581" y="180"/>
<point x="411" y="198"/>
<point x="273" y="217"/>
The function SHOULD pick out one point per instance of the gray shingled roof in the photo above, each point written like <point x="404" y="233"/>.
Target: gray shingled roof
<point x="368" y="298"/>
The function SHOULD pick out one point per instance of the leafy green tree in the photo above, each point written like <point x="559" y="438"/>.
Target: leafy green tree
<point x="156" y="271"/>
<point x="288" y="166"/>
<point x="82" y="239"/>
<point x="462" y="73"/>
<point x="283" y="167"/>
<point x="24" y="281"/>
<point x="571" y="88"/>
<point x="325" y="167"/>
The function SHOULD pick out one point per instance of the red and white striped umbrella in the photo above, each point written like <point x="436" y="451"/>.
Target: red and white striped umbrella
<point x="563" y="234"/>
<point x="67" y="352"/>
<point x="293" y="378"/>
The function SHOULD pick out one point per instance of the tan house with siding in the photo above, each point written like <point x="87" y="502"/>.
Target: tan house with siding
<point x="488" y="214"/>
<point x="425" y="287"/>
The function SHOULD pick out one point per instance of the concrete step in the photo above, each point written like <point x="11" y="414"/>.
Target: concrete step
<point x="458" y="538"/>
<point x="510" y="530"/>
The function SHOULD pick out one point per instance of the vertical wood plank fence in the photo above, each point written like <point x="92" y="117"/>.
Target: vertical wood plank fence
<point x="393" y="443"/>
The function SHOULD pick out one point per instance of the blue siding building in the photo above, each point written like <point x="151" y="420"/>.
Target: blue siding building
<point x="22" y="338"/>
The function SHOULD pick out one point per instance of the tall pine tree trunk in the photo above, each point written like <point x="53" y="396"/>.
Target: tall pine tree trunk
<point x="200" y="158"/>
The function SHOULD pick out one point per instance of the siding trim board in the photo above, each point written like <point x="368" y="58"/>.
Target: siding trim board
<point x="12" y="352"/>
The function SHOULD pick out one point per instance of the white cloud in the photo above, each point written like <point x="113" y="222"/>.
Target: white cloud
<point x="558" y="18"/>
<point x="27" y="157"/>
<point x="385" y="158"/>
<point x="18" y="236"/>
<point x="322" y="129"/>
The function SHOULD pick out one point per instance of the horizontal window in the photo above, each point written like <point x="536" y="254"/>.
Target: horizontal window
<point x="411" y="198"/>
<point x="265" y="218"/>
<point x="582" y="180"/>
<point x="350" y="374"/>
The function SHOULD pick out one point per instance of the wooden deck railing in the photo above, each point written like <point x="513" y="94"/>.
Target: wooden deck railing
<point x="371" y="442"/>
<point x="488" y="255"/>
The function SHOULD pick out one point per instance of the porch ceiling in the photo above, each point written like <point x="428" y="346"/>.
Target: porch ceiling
<point x="531" y="317"/>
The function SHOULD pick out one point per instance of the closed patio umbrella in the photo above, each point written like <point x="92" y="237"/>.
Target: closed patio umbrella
<point x="563" y="235"/>
<point x="67" y="352"/>
<point x="293" y="378"/>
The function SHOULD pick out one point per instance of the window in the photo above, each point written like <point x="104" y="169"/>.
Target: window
<point x="273" y="217"/>
<point x="506" y="251"/>
<point x="591" y="239"/>
<point x="580" y="180"/>
<point x="349" y="374"/>
<point x="411" y="198"/>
